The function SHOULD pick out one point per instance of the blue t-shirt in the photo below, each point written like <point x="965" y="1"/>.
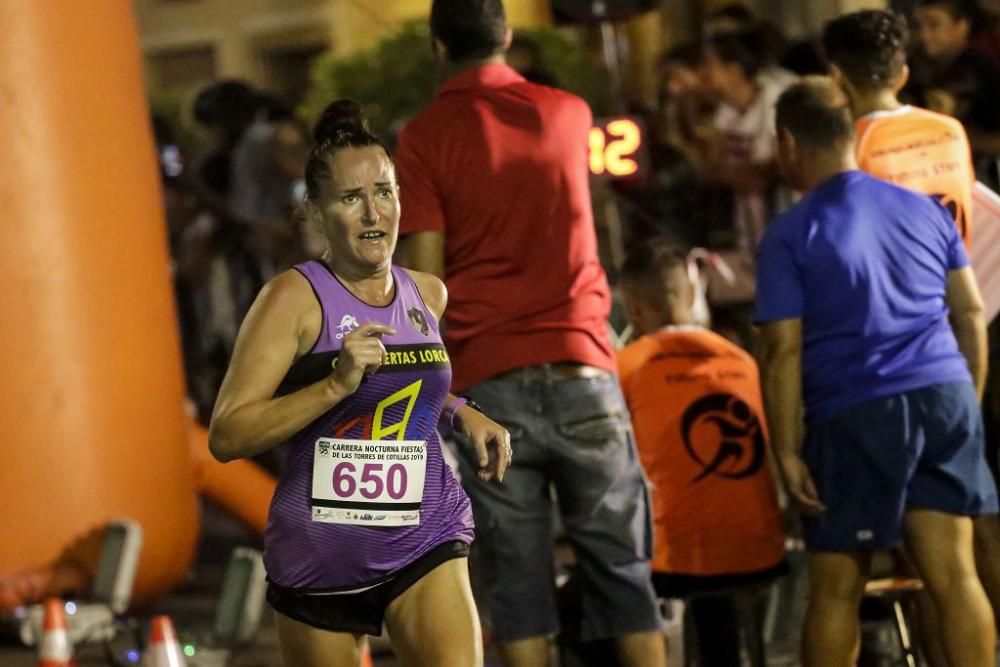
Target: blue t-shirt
<point x="864" y="264"/>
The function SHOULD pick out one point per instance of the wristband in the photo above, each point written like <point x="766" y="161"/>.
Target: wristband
<point x="451" y="408"/>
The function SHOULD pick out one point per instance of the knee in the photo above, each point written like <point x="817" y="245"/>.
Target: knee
<point x="836" y="586"/>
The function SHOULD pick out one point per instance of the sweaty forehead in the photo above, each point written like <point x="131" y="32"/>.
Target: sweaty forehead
<point x="352" y="168"/>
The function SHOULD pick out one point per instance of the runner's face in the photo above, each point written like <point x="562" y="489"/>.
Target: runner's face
<point x="361" y="212"/>
<point x="940" y="33"/>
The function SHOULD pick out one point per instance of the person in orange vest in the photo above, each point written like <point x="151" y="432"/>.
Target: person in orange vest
<point x="903" y="144"/>
<point x="699" y="426"/>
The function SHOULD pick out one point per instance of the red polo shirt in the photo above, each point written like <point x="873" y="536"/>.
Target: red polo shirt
<point x="499" y="165"/>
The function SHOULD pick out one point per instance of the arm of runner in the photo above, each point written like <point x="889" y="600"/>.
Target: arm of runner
<point x="968" y="320"/>
<point x="248" y="419"/>
<point x="781" y="385"/>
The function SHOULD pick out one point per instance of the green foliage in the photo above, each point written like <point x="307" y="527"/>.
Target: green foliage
<point x="398" y="77"/>
<point x="394" y="80"/>
<point x="563" y="56"/>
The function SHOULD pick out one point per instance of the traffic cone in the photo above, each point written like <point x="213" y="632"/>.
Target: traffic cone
<point x="366" y="655"/>
<point x="55" y="649"/>
<point x="163" y="649"/>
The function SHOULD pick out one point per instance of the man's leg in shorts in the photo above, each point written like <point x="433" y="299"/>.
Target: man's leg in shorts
<point x="831" y="633"/>
<point x="435" y="621"/>
<point x="514" y="527"/>
<point x="604" y="502"/>
<point x="861" y="460"/>
<point x="305" y="646"/>
<point x="986" y="541"/>
<point x="951" y="484"/>
<point x="941" y="545"/>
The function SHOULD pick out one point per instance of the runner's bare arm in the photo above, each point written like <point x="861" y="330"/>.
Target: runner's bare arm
<point x="968" y="321"/>
<point x="423" y="251"/>
<point x="281" y="326"/>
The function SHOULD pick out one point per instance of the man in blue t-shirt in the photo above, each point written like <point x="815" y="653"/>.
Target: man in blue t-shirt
<point x="871" y="317"/>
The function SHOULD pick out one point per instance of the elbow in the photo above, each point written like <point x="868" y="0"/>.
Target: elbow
<point x="975" y="311"/>
<point x="970" y="317"/>
<point x="776" y="353"/>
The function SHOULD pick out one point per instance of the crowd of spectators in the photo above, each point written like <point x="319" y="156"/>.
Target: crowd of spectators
<point x="713" y="184"/>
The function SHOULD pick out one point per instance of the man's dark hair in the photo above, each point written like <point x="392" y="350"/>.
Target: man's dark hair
<point x="868" y="46"/>
<point x="959" y="9"/>
<point x="469" y="29"/>
<point x="654" y="259"/>
<point x="226" y="103"/>
<point x="816" y="113"/>
<point x="745" y="49"/>
<point x="736" y="12"/>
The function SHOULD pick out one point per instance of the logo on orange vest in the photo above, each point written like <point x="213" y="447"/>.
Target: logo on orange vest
<point x="723" y="436"/>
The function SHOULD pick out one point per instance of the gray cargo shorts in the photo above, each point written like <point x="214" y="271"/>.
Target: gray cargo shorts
<point x="573" y="445"/>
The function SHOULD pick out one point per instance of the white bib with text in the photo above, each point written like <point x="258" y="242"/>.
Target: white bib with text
<point x="368" y="482"/>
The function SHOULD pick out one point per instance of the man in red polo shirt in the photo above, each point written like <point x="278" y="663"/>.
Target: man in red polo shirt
<point x="495" y="197"/>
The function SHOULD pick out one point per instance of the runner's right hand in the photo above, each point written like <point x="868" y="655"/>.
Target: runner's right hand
<point x="362" y="353"/>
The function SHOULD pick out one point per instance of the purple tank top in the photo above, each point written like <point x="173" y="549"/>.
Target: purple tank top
<point x="305" y="554"/>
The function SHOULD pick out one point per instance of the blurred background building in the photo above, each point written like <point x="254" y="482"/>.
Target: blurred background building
<point x="273" y="43"/>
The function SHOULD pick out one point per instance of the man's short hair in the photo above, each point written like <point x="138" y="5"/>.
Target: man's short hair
<point x="815" y="112"/>
<point x="868" y="46"/>
<point x="469" y="29"/>
<point x="959" y="9"/>
<point x="745" y="48"/>
<point x="736" y="12"/>
<point x="653" y="259"/>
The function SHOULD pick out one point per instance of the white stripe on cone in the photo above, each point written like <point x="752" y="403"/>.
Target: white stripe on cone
<point x="54" y="649"/>
<point x="164" y="655"/>
<point x="55" y="646"/>
<point x="164" y="649"/>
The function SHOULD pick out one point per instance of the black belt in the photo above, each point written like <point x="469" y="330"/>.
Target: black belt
<point x="551" y="372"/>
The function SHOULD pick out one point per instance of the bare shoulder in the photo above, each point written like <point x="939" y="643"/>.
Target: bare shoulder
<point x="288" y="303"/>
<point x="432" y="291"/>
<point x="288" y="287"/>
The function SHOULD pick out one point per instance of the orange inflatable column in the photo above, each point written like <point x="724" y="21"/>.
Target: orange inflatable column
<point x="91" y="394"/>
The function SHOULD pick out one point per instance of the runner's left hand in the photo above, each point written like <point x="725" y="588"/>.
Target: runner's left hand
<point x="492" y="442"/>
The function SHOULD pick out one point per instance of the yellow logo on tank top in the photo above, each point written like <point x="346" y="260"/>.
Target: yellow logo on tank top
<point x="397" y="430"/>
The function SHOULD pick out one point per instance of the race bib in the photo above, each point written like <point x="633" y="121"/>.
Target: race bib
<point x="368" y="482"/>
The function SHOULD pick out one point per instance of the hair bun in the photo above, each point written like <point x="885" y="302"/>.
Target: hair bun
<point x="338" y="116"/>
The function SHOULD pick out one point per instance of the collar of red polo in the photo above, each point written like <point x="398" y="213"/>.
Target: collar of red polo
<point x="495" y="75"/>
